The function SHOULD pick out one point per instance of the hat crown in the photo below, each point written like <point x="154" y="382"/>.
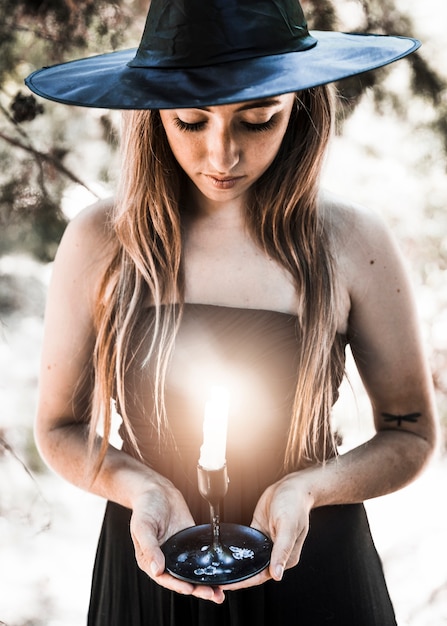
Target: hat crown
<point x="195" y="33"/>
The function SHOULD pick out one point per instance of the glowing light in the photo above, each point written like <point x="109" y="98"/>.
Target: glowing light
<point x="215" y="424"/>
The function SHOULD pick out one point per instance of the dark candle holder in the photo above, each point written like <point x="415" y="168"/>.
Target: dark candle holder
<point x="216" y="553"/>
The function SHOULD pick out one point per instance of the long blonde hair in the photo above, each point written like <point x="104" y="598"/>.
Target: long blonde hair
<point x="283" y="219"/>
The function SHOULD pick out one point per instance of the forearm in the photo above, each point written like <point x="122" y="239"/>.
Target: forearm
<point x="121" y="478"/>
<point x="158" y="508"/>
<point x="389" y="461"/>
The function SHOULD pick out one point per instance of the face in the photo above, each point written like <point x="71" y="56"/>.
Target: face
<point x="225" y="149"/>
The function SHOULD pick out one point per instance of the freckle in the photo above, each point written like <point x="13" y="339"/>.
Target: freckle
<point x="398" y="290"/>
<point x="48" y="367"/>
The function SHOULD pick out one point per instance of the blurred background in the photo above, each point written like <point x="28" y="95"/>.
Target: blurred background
<point x="390" y="153"/>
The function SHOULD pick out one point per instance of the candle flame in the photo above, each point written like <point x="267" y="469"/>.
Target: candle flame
<point x="215" y="423"/>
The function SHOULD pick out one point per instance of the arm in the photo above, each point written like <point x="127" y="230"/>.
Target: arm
<point x="63" y="414"/>
<point x="387" y="347"/>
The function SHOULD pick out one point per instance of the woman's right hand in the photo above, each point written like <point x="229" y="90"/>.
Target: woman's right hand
<point x="157" y="514"/>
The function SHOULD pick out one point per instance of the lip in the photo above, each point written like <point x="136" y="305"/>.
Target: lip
<point x="223" y="182"/>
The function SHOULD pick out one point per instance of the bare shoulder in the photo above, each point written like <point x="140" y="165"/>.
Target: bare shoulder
<point x="349" y="223"/>
<point x="359" y="237"/>
<point x="88" y="238"/>
<point x="84" y="253"/>
<point x="92" y="224"/>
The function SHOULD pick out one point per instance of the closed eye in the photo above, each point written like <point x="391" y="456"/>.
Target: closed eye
<point x="259" y="128"/>
<point x="251" y="127"/>
<point x="188" y="127"/>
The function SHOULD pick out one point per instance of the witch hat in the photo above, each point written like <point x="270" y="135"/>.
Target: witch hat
<point x="196" y="53"/>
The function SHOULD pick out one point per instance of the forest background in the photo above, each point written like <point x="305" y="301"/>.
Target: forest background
<point x="390" y="153"/>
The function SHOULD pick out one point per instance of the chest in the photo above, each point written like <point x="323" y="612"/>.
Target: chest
<point x="231" y="270"/>
<point x="227" y="268"/>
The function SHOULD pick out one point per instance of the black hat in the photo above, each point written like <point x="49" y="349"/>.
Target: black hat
<point x="197" y="53"/>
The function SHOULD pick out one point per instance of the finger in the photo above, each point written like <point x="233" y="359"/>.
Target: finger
<point x="259" y="579"/>
<point x="213" y="594"/>
<point x="152" y="561"/>
<point x="148" y="555"/>
<point x="174" y="584"/>
<point x="283" y="543"/>
<point x="286" y="551"/>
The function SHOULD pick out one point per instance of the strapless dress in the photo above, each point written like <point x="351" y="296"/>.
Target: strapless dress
<point x="339" y="579"/>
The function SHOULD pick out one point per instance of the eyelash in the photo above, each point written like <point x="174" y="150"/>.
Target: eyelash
<point x="252" y="128"/>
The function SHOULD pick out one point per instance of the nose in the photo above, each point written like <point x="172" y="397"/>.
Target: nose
<point x="223" y="150"/>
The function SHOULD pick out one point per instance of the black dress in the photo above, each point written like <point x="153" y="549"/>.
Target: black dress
<point x="339" y="578"/>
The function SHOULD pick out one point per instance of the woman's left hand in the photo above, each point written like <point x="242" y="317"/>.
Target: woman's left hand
<point x="282" y="514"/>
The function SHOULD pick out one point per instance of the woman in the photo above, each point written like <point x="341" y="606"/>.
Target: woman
<point x="221" y="260"/>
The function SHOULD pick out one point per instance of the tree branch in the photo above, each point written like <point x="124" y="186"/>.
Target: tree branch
<point x="48" y="158"/>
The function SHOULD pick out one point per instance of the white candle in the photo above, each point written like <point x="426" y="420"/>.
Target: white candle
<point x="212" y="452"/>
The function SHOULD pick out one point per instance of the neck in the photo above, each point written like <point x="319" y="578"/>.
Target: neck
<point x="222" y="213"/>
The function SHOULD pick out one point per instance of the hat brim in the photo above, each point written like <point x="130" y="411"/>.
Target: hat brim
<point x="106" y="81"/>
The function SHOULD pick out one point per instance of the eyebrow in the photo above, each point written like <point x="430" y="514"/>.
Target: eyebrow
<point x="256" y="104"/>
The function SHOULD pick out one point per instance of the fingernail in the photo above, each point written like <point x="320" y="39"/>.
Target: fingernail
<point x="154" y="568"/>
<point x="206" y="595"/>
<point x="279" y="571"/>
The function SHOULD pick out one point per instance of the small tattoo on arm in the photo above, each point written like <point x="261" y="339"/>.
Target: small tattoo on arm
<point x="410" y="417"/>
